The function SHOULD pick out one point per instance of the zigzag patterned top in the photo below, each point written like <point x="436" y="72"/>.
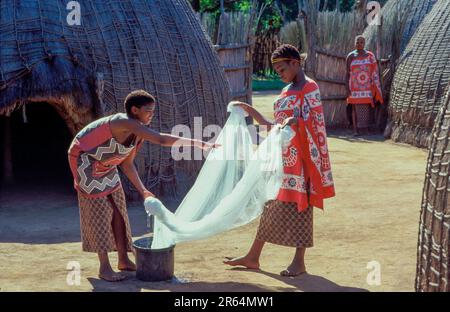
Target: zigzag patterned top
<point x="94" y="156"/>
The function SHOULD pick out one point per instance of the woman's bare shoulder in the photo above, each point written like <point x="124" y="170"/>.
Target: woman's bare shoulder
<point x="122" y="122"/>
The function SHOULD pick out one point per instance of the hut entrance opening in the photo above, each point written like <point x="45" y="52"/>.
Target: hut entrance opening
<point x="34" y="144"/>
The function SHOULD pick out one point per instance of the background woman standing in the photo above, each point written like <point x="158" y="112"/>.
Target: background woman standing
<point x="363" y="85"/>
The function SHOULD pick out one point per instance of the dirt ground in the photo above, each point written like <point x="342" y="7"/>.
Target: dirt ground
<point x="374" y="217"/>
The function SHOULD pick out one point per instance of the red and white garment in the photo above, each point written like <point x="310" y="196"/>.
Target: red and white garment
<point x="364" y="80"/>
<point x="307" y="168"/>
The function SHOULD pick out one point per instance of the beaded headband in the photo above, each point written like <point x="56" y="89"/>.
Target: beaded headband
<point x="282" y="59"/>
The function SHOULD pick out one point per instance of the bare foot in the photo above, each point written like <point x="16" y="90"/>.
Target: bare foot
<point x="242" y="261"/>
<point x="110" y="276"/>
<point x="293" y="270"/>
<point x="126" y="265"/>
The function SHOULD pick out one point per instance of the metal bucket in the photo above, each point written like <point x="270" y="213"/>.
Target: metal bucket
<point x="153" y="265"/>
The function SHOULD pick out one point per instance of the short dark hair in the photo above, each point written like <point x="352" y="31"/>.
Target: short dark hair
<point x="137" y="98"/>
<point x="286" y="51"/>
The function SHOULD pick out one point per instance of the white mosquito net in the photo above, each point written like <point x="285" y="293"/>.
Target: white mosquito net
<point x="233" y="184"/>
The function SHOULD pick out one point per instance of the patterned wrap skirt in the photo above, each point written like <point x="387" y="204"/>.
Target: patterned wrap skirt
<point x="96" y="216"/>
<point x="363" y="115"/>
<point x="282" y="224"/>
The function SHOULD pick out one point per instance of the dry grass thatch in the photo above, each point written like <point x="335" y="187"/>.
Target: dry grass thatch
<point x="420" y="80"/>
<point x="208" y="22"/>
<point x="120" y="46"/>
<point x="327" y="37"/>
<point x="292" y="33"/>
<point x="331" y="38"/>
<point x="401" y="18"/>
<point x="336" y="31"/>
<point x="433" y="250"/>
<point x="232" y="27"/>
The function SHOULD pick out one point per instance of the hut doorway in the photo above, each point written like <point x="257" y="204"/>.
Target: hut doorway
<point x="33" y="149"/>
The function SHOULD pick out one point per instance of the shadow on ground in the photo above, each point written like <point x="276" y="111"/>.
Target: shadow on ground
<point x="347" y="135"/>
<point x="304" y="282"/>
<point x="40" y="216"/>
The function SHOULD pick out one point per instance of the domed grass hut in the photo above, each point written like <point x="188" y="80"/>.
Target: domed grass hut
<point x="53" y="66"/>
<point x="433" y="252"/>
<point x="400" y="20"/>
<point x="420" y="80"/>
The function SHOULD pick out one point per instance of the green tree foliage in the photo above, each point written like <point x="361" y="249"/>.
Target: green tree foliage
<point x="213" y="6"/>
<point x="277" y="11"/>
<point x="346" y="5"/>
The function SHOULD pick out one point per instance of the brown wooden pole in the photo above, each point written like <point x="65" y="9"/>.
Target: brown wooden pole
<point x="222" y="7"/>
<point x="380" y="109"/>
<point x="249" y="71"/>
<point x="307" y="17"/>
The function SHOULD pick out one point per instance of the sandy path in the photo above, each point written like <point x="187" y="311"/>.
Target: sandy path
<point x="374" y="217"/>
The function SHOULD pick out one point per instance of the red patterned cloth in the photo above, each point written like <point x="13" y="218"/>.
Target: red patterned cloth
<point x="307" y="168"/>
<point x="364" y="80"/>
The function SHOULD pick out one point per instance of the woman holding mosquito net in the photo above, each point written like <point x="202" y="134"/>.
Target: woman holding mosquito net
<point x="307" y="179"/>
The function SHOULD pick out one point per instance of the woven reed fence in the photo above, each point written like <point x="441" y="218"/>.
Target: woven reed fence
<point x="234" y="39"/>
<point x="265" y="44"/>
<point x="433" y="248"/>
<point x="328" y="37"/>
<point x="234" y="48"/>
<point x="85" y="71"/>
<point x="421" y="77"/>
<point x="329" y="48"/>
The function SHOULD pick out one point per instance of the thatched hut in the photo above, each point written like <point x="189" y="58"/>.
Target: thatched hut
<point x="420" y="80"/>
<point x="433" y="252"/>
<point x="50" y="63"/>
<point x="400" y="20"/>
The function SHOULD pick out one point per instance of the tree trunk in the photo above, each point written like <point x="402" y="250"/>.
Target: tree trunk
<point x="222" y="7"/>
<point x="279" y="9"/>
<point x="308" y="10"/>
<point x="195" y="5"/>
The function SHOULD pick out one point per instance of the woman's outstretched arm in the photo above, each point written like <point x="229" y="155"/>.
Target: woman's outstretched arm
<point x="163" y="139"/>
<point x="255" y="114"/>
